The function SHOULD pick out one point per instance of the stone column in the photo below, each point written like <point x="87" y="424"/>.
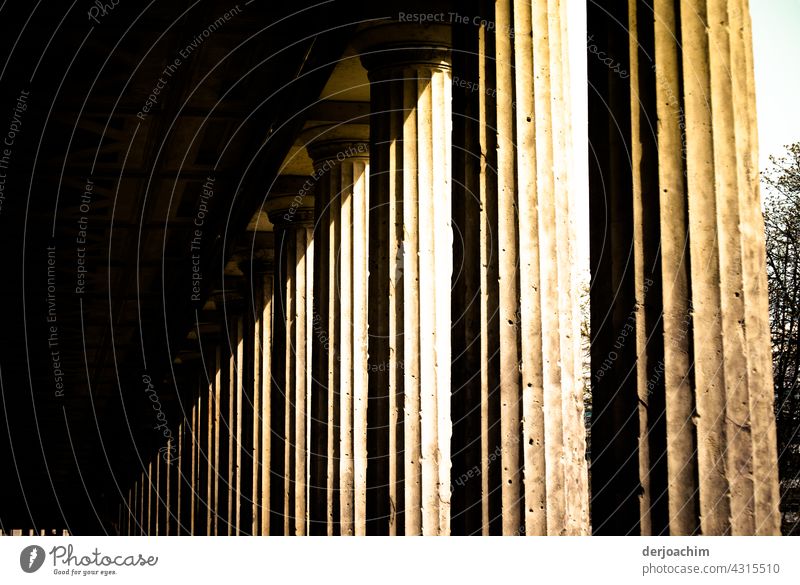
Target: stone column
<point x="201" y="433"/>
<point x="133" y="530"/>
<point x="261" y="285"/>
<point x="175" y="486"/>
<point x="237" y="341"/>
<point x="134" y="506"/>
<point x="158" y="501"/>
<point x="137" y="529"/>
<point x="293" y="216"/>
<point x="142" y="519"/>
<point x="180" y="489"/>
<point x="521" y="437"/>
<point x="162" y="482"/>
<point x="683" y="398"/>
<point x="128" y="512"/>
<point x="150" y="511"/>
<point x="248" y="375"/>
<point x="142" y="529"/>
<point x="156" y="513"/>
<point x="234" y="406"/>
<point x="208" y="437"/>
<point x="168" y="463"/>
<point x="181" y="480"/>
<point x="133" y="520"/>
<point x="212" y="439"/>
<point x="194" y="439"/>
<point x="191" y="477"/>
<point x="223" y="436"/>
<point x="410" y="265"/>
<point x="224" y="423"/>
<point x="339" y="400"/>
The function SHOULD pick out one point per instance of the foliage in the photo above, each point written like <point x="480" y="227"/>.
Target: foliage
<point x="781" y="183"/>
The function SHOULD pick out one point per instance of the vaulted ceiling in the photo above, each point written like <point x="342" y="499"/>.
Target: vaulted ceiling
<point x="139" y="124"/>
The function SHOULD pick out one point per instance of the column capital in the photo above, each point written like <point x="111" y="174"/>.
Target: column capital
<point x="256" y="267"/>
<point x="408" y="316"/>
<point x="336" y="143"/>
<point x="229" y="300"/>
<point x="263" y="266"/>
<point x="389" y="44"/>
<point x="291" y="201"/>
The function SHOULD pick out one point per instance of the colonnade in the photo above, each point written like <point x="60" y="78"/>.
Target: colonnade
<point x="681" y="355"/>
<point x="410" y="362"/>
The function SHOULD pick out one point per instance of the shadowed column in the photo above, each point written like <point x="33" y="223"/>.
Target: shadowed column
<point x="678" y="262"/>
<point x="293" y="217"/>
<point x="410" y="261"/>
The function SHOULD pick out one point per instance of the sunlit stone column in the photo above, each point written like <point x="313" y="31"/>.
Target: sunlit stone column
<point x="140" y="527"/>
<point x="192" y="478"/>
<point x="133" y="529"/>
<point x="211" y="423"/>
<point x="537" y="215"/>
<point x="169" y="462"/>
<point x="183" y="476"/>
<point x="143" y="501"/>
<point x="162" y="486"/>
<point x="683" y="402"/>
<point x="339" y="396"/>
<point x="180" y="490"/>
<point x="233" y="318"/>
<point x="219" y="417"/>
<point x="260" y="283"/>
<point x="223" y="360"/>
<point x="151" y="496"/>
<point x="241" y="405"/>
<point x="520" y="465"/>
<point x="210" y="375"/>
<point x="175" y="495"/>
<point x="158" y="496"/>
<point x="293" y="216"/>
<point x="410" y="265"/>
<point x="133" y="522"/>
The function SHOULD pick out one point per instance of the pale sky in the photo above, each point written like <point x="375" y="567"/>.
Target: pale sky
<point x="776" y="45"/>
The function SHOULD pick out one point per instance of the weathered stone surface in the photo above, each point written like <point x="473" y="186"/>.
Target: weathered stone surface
<point x="292" y="216"/>
<point x="410" y="268"/>
<point x="339" y="430"/>
<point x="687" y="404"/>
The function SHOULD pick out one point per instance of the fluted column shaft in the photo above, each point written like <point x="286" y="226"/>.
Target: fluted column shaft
<point x="229" y="412"/>
<point x="151" y="499"/>
<point x="180" y="489"/>
<point x="409" y="280"/>
<point x="141" y="529"/>
<point x="218" y="425"/>
<point x="210" y="422"/>
<point x="262" y="303"/>
<point x="293" y="219"/>
<point x="339" y="426"/>
<point x="235" y="424"/>
<point x="191" y="469"/>
<point x="698" y="451"/>
<point x="522" y="462"/>
<point x="216" y="434"/>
